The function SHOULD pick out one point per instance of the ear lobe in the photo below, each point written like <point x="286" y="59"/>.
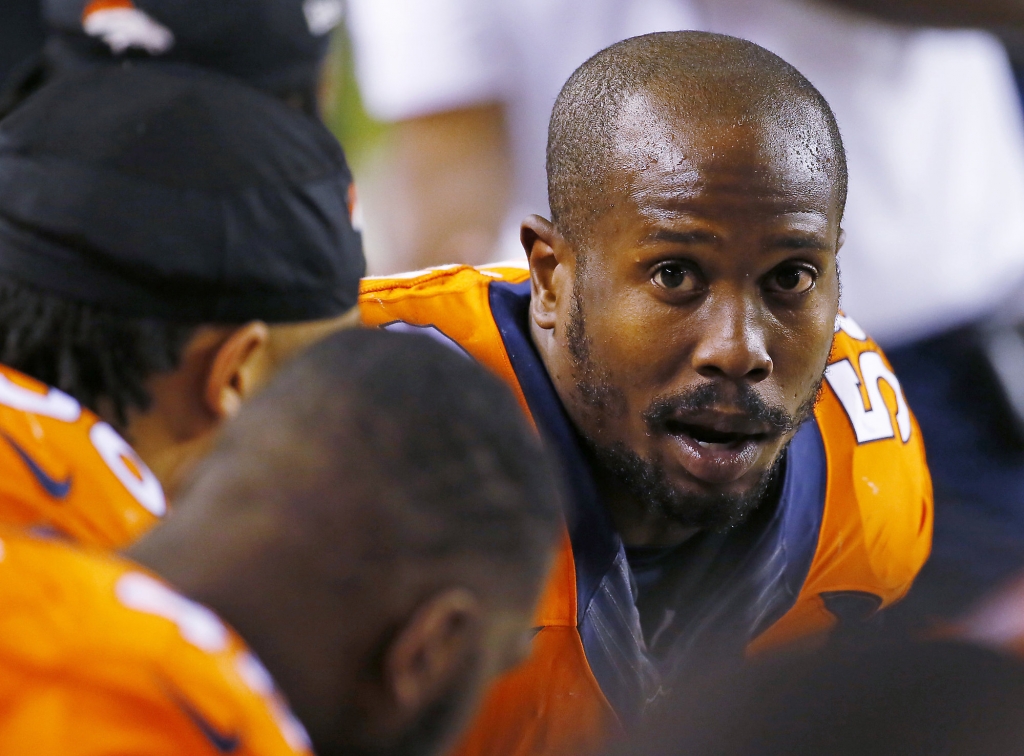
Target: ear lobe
<point x="237" y="369"/>
<point x="432" y="649"/>
<point x="542" y="241"/>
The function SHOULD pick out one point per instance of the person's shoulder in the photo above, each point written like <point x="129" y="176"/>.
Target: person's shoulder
<point x="451" y="304"/>
<point x="875" y="527"/>
<point x="879" y="488"/>
<point x="441" y="280"/>
<point x="66" y="469"/>
<point x="453" y="294"/>
<point x="128" y="659"/>
<point x="861" y="383"/>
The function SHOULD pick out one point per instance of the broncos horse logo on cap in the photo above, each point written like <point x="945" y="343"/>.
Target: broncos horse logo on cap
<point x="123" y="26"/>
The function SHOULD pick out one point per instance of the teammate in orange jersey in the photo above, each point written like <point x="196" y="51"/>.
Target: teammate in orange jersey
<point x="743" y="467"/>
<point x="167" y="240"/>
<point x="376" y="525"/>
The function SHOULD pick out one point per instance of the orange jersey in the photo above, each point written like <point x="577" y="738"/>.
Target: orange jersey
<point x="98" y="657"/>
<point x="64" y="469"/>
<point x="851" y="531"/>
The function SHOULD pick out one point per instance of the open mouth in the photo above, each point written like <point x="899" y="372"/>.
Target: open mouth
<point x="710" y="438"/>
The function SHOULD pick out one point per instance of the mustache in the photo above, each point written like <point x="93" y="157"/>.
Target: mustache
<point x="742" y="397"/>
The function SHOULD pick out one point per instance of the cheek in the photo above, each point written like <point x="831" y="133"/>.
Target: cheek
<point x="636" y="341"/>
<point x="800" y="358"/>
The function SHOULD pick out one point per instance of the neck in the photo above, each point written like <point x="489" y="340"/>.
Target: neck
<point x="170" y="459"/>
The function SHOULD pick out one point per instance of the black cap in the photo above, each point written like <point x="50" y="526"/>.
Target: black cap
<point x="277" y="45"/>
<point x="178" y="196"/>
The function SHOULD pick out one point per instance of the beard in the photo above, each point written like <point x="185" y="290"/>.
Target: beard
<point x="649" y="484"/>
<point x="647" y="479"/>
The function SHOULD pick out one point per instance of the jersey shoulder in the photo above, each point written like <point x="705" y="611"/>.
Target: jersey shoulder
<point x="876" y="526"/>
<point x="67" y="470"/>
<point x="122" y="659"/>
<point x="872" y="440"/>
<point x="450" y="304"/>
<point x="429" y="293"/>
<point x="879" y="499"/>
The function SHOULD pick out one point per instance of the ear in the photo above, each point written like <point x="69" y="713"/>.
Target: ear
<point x="432" y="649"/>
<point x="237" y="369"/>
<point x="546" y="250"/>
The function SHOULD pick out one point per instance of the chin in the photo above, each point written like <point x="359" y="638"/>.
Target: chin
<point x="687" y="500"/>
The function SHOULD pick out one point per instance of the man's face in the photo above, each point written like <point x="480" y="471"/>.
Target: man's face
<point x="702" y="313"/>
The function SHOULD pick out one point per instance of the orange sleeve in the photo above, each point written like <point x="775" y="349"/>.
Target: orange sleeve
<point x="98" y="657"/>
<point x="66" y="470"/>
<point x="876" y="531"/>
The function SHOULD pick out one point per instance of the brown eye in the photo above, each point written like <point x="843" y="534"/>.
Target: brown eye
<point x="792" y="280"/>
<point x="674" y="277"/>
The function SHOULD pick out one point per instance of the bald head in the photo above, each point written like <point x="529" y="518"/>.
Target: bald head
<point x="402" y="447"/>
<point x="377" y="525"/>
<point x="621" y="109"/>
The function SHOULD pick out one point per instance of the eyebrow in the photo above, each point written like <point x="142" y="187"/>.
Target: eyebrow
<point x="797" y="241"/>
<point x="681" y="237"/>
<point x="789" y="241"/>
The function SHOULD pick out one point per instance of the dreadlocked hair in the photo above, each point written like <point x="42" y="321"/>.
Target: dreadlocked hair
<point x="92" y="353"/>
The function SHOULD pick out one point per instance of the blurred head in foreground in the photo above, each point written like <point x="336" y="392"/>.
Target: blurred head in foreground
<point x="275" y="45"/>
<point x="167" y="240"/>
<point x="921" y="699"/>
<point x="377" y="525"/>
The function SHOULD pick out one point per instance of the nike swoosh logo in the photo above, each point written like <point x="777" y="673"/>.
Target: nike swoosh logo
<point x="223" y="742"/>
<point x="56" y="488"/>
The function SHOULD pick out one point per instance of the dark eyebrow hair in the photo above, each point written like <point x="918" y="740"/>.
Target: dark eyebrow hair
<point x="680" y="237"/>
<point x="800" y="241"/>
<point x="791" y="240"/>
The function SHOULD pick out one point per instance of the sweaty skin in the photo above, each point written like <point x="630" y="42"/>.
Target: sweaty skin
<point x="712" y="268"/>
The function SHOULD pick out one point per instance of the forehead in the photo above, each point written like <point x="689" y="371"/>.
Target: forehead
<point x="778" y="152"/>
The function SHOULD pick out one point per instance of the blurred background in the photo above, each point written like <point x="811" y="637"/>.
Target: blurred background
<point x="366" y="142"/>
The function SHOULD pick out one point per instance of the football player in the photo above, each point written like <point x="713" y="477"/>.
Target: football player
<point x="376" y="526"/>
<point x="743" y="467"/>
<point x="167" y="240"/>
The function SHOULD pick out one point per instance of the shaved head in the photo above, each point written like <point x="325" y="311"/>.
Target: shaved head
<point x="377" y="524"/>
<point x="621" y="111"/>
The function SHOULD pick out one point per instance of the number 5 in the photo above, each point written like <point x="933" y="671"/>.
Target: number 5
<point x="871" y="422"/>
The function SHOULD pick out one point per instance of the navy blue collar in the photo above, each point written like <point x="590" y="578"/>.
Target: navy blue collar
<point x="594" y="540"/>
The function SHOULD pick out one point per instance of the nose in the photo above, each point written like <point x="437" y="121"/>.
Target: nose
<point x="732" y="342"/>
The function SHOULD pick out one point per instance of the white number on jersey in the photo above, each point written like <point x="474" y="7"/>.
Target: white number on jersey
<point x="54" y="403"/>
<point x="871" y="422"/>
<point x="113" y="449"/>
<point x="140" y="482"/>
